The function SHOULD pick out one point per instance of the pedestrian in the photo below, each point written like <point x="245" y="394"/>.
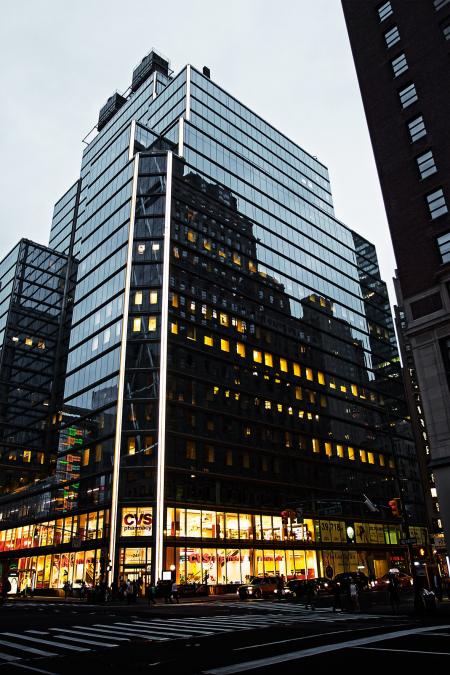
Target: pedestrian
<point x="151" y="594"/>
<point x="83" y="590"/>
<point x="354" y="595"/>
<point x="337" y="602"/>
<point x="437" y="586"/>
<point x="66" y="588"/>
<point x="310" y="597"/>
<point x="174" y="591"/>
<point x="129" y="592"/>
<point x="280" y="587"/>
<point x="394" y="592"/>
<point x="167" y="590"/>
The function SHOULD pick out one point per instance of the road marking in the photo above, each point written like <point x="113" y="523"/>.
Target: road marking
<point x="172" y="627"/>
<point x="90" y="633"/>
<point x="158" y="630"/>
<point x="26" y="648"/>
<point x="9" y="657"/>
<point x="37" y="632"/>
<point x="36" y="670"/>
<point x="45" y="642"/>
<point x="313" y="651"/>
<point x="304" y="637"/>
<point x="82" y="640"/>
<point x="132" y="631"/>
<point x="406" y="651"/>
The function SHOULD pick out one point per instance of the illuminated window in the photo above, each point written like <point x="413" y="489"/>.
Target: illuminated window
<point x="332" y="385"/>
<point x="207" y="244"/>
<point x="283" y="365"/>
<point x="297" y="369"/>
<point x="229" y="458"/>
<point x="152" y="323"/>
<point x="351" y="453"/>
<point x="251" y="266"/>
<point x="85" y="457"/>
<point x="268" y="359"/>
<point x="320" y="378"/>
<point x="315" y="445"/>
<point x="381" y="460"/>
<point x="257" y="356"/>
<point x="192" y="237"/>
<point x="136" y="324"/>
<point x="298" y="393"/>
<point x="192" y="306"/>
<point x="328" y="449"/>
<point x="141" y="249"/>
<point x="236" y="259"/>
<point x="174" y="300"/>
<point x="223" y="319"/>
<point x="309" y="374"/>
<point x="191" y="450"/>
<point x="340" y="451"/>
<point x="370" y="458"/>
<point x="41" y="344"/>
<point x="191" y="333"/>
<point x="222" y="253"/>
<point x="174" y="328"/>
<point x="27" y="456"/>
<point x="208" y="340"/>
<point x="138" y="298"/>
<point x="224" y="345"/>
<point x="240" y="349"/>
<point x="343" y="388"/>
<point x="131" y="444"/>
<point x="240" y="326"/>
<point x="391" y="463"/>
<point x="268" y="405"/>
<point x="153" y="297"/>
<point x="29" y="341"/>
<point x="363" y="455"/>
<point x="354" y="390"/>
<point x="176" y="252"/>
<point x="98" y="452"/>
<point x="210" y="454"/>
<point x="40" y="457"/>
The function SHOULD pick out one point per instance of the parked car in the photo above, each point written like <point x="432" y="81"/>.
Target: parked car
<point x="344" y="578"/>
<point x="404" y="580"/>
<point x="258" y="587"/>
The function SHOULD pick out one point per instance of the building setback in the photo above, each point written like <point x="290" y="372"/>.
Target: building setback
<point x="401" y="54"/>
<point x="233" y="391"/>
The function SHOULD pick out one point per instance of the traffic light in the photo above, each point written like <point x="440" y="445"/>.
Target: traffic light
<point x="395" y="508"/>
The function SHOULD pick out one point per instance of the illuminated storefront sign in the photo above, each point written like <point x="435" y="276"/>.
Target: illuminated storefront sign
<point x="137" y="522"/>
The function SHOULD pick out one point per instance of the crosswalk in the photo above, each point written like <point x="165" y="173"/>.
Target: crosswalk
<point x="58" y="641"/>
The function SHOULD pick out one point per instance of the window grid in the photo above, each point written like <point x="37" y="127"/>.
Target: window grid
<point x="384" y="11"/>
<point x="408" y="95"/>
<point x="436" y="203"/>
<point x="417" y="128"/>
<point x="426" y="164"/>
<point x="443" y="243"/>
<point x="392" y="36"/>
<point x="399" y="65"/>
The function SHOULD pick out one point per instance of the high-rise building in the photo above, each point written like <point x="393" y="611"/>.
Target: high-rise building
<point x="233" y="402"/>
<point x="401" y="54"/>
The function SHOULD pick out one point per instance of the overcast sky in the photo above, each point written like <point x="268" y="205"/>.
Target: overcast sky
<point x="289" y="61"/>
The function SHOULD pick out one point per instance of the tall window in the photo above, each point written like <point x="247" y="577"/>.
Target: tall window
<point x="408" y="95"/>
<point x="426" y="164"/>
<point x="385" y="10"/>
<point x="399" y="65"/>
<point x="417" y="128"/>
<point x="436" y="203"/>
<point x="443" y="243"/>
<point x="392" y="36"/>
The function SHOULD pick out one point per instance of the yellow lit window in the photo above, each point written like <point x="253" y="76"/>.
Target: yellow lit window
<point x="174" y="328"/>
<point x="153" y="297"/>
<point x="29" y="342"/>
<point x="340" y="451"/>
<point x="283" y="365"/>
<point x="138" y="298"/>
<point x="41" y="344"/>
<point x="240" y="349"/>
<point x="208" y="340"/>
<point x="191" y="450"/>
<point x="381" y="460"/>
<point x="210" y="454"/>
<point x="323" y="302"/>
<point x="332" y="385"/>
<point x="309" y="374"/>
<point x="222" y="253"/>
<point x="85" y="457"/>
<point x="298" y="393"/>
<point x="370" y="458"/>
<point x="229" y="458"/>
<point x="224" y="345"/>
<point x="98" y="452"/>
<point x="191" y="333"/>
<point x="192" y="237"/>
<point x="176" y="252"/>
<point x="240" y="326"/>
<point x="351" y="453"/>
<point x="251" y="266"/>
<point x="236" y="259"/>
<point x="297" y="369"/>
<point x="175" y="301"/>
<point x="216" y="390"/>
<point x="268" y="359"/>
<point x="315" y="445"/>
<point x="363" y="455"/>
<point x="328" y="449"/>
<point x="131" y="446"/>
<point x="207" y="244"/>
<point x="136" y="324"/>
<point x="40" y="457"/>
<point x="257" y="356"/>
<point x="320" y="378"/>
<point x="343" y="388"/>
<point x="152" y="323"/>
<point x="27" y="456"/>
<point x="223" y="319"/>
<point x="354" y="390"/>
<point x="267" y="405"/>
<point x="279" y="407"/>
<point x="391" y="464"/>
<point x="192" y="306"/>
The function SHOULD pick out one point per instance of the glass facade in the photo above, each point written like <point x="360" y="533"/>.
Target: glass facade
<point x="231" y="358"/>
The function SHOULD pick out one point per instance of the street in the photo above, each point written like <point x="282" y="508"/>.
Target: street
<point x="218" y="637"/>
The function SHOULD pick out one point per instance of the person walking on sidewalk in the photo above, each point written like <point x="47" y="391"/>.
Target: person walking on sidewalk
<point x="151" y="594"/>
<point x="310" y="597"/>
<point x="337" y="602"/>
<point x="354" y="595"/>
<point x="175" y="594"/>
<point x="394" y="593"/>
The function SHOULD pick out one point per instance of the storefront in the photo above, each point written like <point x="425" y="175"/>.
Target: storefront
<point x="54" y="570"/>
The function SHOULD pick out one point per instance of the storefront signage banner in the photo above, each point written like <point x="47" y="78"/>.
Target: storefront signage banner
<point x="137" y="522"/>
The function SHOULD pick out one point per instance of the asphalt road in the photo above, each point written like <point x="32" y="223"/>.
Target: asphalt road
<point x="214" y="638"/>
